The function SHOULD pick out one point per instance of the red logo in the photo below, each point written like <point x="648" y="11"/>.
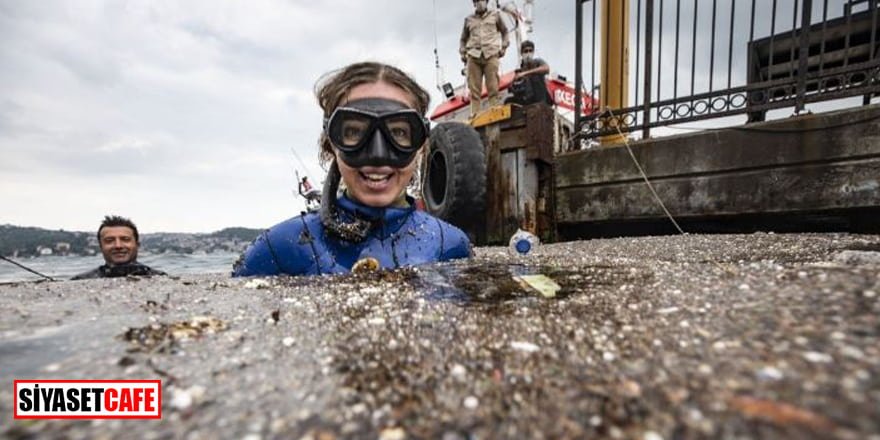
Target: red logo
<point x="88" y="399"/>
<point x="563" y="96"/>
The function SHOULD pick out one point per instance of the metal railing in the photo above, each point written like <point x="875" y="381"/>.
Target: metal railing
<point x="693" y="60"/>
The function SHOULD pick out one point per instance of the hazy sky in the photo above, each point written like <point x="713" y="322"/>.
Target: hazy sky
<point x="185" y="115"/>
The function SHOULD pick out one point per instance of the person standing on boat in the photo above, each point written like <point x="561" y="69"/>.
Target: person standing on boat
<point x="374" y="131"/>
<point x="533" y="72"/>
<point x="119" y="241"/>
<point x="483" y="43"/>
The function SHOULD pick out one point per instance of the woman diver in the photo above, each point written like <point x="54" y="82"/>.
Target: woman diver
<point x="374" y="129"/>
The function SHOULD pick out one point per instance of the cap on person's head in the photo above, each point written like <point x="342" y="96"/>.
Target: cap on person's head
<point x="526" y="45"/>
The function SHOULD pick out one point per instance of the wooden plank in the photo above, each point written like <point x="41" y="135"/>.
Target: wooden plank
<point x="527" y="196"/>
<point x="849" y="184"/>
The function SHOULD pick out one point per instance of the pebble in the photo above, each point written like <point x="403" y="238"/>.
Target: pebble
<point x="288" y="341"/>
<point x="869" y="294"/>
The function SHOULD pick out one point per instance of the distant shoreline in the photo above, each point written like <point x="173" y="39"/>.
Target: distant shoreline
<point x="28" y="242"/>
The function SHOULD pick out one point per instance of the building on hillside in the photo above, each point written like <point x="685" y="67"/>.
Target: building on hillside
<point x="62" y="248"/>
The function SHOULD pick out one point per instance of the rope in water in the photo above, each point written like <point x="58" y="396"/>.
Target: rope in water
<point x="27" y="268"/>
<point x="644" y="175"/>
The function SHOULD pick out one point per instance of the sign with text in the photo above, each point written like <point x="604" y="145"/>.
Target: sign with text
<point x="88" y="399"/>
<point x="563" y="96"/>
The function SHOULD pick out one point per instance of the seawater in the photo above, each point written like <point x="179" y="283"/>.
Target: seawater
<point x="65" y="267"/>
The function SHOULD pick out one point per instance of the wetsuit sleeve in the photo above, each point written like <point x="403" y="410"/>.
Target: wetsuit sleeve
<point x="257" y="260"/>
<point x="455" y="243"/>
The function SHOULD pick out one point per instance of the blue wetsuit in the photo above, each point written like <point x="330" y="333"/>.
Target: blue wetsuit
<point x="399" y="237"/>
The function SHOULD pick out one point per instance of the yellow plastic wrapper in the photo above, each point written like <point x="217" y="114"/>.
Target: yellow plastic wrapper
<point x="540" y="283"/>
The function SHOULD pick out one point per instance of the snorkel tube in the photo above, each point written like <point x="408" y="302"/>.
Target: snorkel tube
<point x="354" y="231"/>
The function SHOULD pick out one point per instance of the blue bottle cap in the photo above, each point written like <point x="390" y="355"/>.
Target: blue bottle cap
<point x="523" y="246"/>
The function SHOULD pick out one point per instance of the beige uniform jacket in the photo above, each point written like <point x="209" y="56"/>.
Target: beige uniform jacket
<point x="484" y="35"/>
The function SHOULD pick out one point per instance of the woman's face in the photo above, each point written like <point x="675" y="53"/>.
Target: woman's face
<point x="376" y="186"/>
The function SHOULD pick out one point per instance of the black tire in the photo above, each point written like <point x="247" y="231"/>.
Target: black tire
<point x="454" y="185"/>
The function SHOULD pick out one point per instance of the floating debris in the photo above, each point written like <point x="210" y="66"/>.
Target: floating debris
<point x="527" y="347"/>
<point x="651" y="435"/>
<point x="471" y="402"/>
<point x="257" y="283"/>
<point x="163" y="337"/>
<point x="183" y="399"/>
<point x="818" y="358"/>
<point x="779" y="413"/>
<point x="458" y="371"/>
<point x="769" y="373"/>
<point x="366" y="265"/>
<point x="392" y="434"/>
<point x="540" y="283"/>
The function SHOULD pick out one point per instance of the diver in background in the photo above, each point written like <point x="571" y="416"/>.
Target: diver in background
<point x="119" y="241"/>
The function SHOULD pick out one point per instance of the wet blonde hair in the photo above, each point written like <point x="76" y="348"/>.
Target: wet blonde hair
<point x="333" y="88"/>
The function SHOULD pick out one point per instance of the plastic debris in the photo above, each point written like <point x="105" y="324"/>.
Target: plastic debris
<point x="522" y="242"/>
<point x="540" y="283"/>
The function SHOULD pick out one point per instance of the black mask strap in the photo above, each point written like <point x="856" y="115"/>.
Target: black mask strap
<point x="355" y="231"/>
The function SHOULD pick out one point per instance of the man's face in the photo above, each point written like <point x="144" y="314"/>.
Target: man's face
<point x="481" y="5"/>
<point x="118" y="245"/>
